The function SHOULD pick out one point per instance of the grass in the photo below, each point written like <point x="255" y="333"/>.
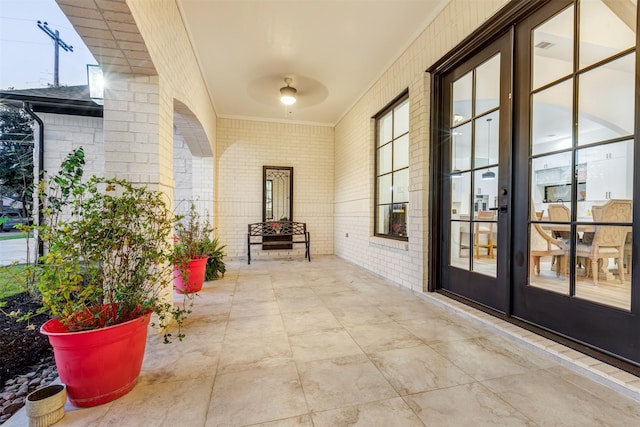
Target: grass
<point x="10" y="282"/>
<point x="12" y="237"/>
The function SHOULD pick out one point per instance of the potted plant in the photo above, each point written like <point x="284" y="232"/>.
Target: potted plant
<point x="107" y="267"/>
<point x="215" y="266"/>
<point x="45" y="406"/>
<point x="193" y="247"/>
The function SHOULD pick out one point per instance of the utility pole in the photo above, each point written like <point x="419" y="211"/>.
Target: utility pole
<point x="57" y="43"/>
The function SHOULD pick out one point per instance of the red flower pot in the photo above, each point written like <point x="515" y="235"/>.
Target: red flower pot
<point x="99" y="365"/>
<point x="195" y="276"/>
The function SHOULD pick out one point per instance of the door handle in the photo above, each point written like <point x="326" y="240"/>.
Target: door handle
<point x="501" y="208"/>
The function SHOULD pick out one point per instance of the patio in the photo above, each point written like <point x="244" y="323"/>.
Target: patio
<point x="293" y="343"/>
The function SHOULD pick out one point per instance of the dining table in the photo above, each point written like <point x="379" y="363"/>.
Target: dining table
<point x="583" y="225"/>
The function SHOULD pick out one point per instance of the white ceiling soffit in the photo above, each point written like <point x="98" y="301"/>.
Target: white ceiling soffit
<point x="333" y="51"/>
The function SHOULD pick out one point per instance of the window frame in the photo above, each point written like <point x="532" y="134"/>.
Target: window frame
<point x="390" y="108"/>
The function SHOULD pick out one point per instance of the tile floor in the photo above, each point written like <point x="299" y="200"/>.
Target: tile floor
<point x="292" y="343"/>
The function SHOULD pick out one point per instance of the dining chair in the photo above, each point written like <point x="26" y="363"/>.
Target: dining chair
<point x="628" y="248"/>
<point x="559" y="212"/>
<point x="484" y="229"/>
<point x="608" y="240"/>
<point x="542" y="243"/>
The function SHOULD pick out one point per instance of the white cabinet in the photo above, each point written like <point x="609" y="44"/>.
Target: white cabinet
<point x="553" y="170"/>
<point x="562" y="160"/>
<point x="610" y="175"/>
<point x="553" y="176"/>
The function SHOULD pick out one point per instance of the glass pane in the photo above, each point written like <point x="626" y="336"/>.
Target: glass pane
<point x="384" y="159"/>
<point x="401" y="152"/>
<point x="399" y="220"/>
<point x="268" y="199"/>
<point x="551" y="118"/>
<point x="548" y="257"/>
<point x="460" y="244"/>
<point x="385" y="129"/>
<point x="603" y="267"/>
<point x="553" y="49"/>
<point x="485" y="195"/>
<point x="606" y="107"/>
<point x="551" y="180"/>
<point x="488" y="85"/>
<point x="401" y="119"/>
<point x="485" y="246"/>
<point x="401" y="186"/>
<point x="276" y="204"/>
<point x="615" y="19"/>
<point x="382" y="227"/>
<point x="485" y="240"/>
<point x="384" y="189"/>
<point x="461" y="108"/>
<point x="461" y="155"/>
<point x="609" y="174"/>
<point x="461" y="196"/>
<point x="486" y="140"/>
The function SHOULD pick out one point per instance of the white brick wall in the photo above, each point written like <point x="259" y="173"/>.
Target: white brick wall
<point x="193" y="177"/>
<point x="63" y="133"/>
<point x="202" y="187"/>
<point x="182" y="164"/>
<point x="244" y="147"/>
<point x="402" y="263"/>
<point x="131" y="132"/>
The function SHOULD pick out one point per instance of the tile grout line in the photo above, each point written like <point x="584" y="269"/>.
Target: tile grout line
<point x="540" y="346"/>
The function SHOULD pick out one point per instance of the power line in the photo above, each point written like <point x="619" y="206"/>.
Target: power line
<point x="10" y="18"/>
<point x="21" y="41"/>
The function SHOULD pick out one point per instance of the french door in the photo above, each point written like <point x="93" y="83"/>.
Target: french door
<point x="475" y="186"/>
<point x="576" y="117"/>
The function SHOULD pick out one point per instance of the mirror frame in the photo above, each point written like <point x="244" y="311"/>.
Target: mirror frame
<point x="264" y="190"/>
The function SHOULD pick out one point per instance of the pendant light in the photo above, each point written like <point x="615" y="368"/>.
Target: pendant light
<point x="455" y="173"/>
<point x="489" y="174"/>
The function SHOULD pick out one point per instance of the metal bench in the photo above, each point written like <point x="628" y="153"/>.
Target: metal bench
<point x="274" y="234"/>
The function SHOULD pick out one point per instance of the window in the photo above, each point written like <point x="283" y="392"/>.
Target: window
<point x="392" y="170"/>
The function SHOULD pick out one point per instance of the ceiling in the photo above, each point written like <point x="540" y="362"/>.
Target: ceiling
<point x="334" y="50"/>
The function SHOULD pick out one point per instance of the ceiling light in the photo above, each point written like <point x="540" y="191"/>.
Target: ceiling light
<point x="489" y="175"/>
<point x="455" y="173"/>
<point x="544" y="45"/>
<point x="288" y="93"/>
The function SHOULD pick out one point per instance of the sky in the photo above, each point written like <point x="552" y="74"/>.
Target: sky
<point x="27" y="52"/>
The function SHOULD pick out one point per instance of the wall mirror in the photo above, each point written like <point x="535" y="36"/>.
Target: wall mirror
<point x="277" y="199"/>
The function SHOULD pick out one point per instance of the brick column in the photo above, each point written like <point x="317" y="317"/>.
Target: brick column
<point x="138" y="135"/>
